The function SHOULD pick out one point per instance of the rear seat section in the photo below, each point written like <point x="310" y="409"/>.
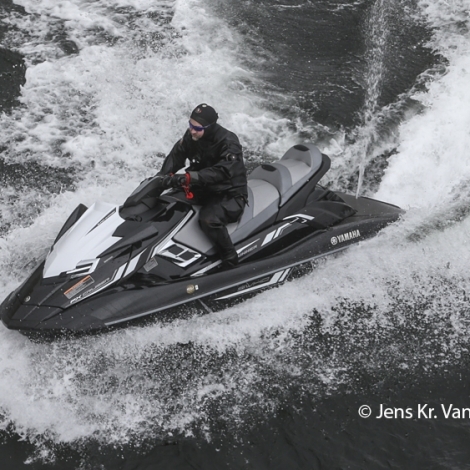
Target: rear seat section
<point x="271" y="185"/>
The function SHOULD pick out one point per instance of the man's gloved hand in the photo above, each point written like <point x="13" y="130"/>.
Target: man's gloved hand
<point x="193" y="178"/>
<point x="173" y="181"/>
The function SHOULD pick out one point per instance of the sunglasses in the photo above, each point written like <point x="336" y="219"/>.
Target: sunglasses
<point x="198" y="128"/>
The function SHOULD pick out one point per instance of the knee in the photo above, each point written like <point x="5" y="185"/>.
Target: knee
<point x="209" y="221"/>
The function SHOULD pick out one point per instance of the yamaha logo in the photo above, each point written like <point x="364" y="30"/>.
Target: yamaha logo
<point x="345" y="237"/>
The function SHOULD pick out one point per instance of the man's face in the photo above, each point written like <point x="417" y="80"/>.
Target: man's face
<point x="195" y="135"/>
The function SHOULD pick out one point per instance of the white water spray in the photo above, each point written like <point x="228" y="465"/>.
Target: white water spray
<point x="377" y="34"/>
<point x="148" y="382"/>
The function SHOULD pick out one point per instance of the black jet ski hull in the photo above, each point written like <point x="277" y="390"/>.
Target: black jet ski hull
<point x="129" y="302"/>
<point x="144" y="260"/>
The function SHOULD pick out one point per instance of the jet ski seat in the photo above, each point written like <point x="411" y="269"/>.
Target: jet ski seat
<point x="263" y="203"/>
<point x="270" y="186"/>
<point x="292" y="171"/>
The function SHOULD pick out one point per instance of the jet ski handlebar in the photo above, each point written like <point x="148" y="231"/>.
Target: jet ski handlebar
<point x="150" y="188"/>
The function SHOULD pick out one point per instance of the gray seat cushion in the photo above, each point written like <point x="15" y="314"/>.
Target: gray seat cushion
<point x="263" y="203"/>
<point x="269" y="187"/>
<point x="292" y="171"/>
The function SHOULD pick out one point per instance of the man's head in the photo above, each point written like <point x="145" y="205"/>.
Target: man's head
<point x="202" y="118"/>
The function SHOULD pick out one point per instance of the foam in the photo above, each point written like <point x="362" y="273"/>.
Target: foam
<point x="433" y="159"/>
<point x="110" y="112"/>
<point x="128" y="103"/>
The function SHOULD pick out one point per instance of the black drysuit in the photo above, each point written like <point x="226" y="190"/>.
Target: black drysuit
<point x="218" y="181"/>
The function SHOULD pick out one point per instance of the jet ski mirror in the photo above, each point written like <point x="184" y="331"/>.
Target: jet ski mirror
<point x="150" y="188"/>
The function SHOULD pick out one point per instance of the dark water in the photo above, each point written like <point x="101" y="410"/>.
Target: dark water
<point x="326" y="67"/>
<point x="304" y="433"/>
<point x="317" y="54"/>
<point x="12" y="69"/>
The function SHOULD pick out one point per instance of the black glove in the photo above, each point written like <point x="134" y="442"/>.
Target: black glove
<point x="173" y="181"/>
<point x="193" y="178"/>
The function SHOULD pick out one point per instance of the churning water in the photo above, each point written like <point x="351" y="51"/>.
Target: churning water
<point x="274" y="382"/>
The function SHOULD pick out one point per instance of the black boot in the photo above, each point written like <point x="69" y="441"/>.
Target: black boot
<point x="231" y="260"/>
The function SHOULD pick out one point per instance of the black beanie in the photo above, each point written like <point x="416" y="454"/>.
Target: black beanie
<point x="204" y="114"/>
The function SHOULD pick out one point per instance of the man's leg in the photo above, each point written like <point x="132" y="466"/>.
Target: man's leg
<point x="213" y="219"/>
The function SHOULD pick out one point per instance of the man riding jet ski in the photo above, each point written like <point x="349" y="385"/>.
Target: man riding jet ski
<point x="111" y="264"/>
<point x="216" y="176"/>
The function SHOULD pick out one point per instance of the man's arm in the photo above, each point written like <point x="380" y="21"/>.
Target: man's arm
<point x="176" y="158"/>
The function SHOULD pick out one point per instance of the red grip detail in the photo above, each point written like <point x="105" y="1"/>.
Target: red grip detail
<point x="189" y="194"/>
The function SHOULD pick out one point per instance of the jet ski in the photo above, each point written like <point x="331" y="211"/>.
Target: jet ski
<point x="111" y="265"/>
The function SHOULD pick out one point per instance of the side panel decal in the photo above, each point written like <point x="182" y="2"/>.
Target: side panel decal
<point x="276" y="278"/>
